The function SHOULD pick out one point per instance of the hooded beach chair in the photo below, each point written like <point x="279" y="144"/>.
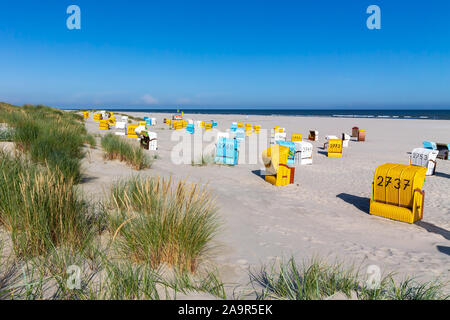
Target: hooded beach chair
<point x="131" y="133"/>
<point x="397" y="192"/>
<point x="148" y="122"/>
<point x="233" y="127"/>
<point x="86" y="115"/>
<point x="277" y="171"/>
<point x="153" y="143"/>
<point x="362" y="135"/>
<point x="303" y="153"/>
<point x="257" y="128"/>
<point x="121" y="128"/>
<point x="190" y="128"/>
<point x="213" y="123"/>
<point x="227" y="151"/>
<point x="422" y="157"/>
<point x="296" y="137"/>
<point x="443" y="150"/>
<point x="345" y="140"/>
<point x="240" y="134"/>
<point x="125" y="118"/>
<point x="240" y="125"/>
<point x="97" y="116"/>
<point x="103" y="124"/>
<point x="334" y="148"/>
<point x="313" y="135"/>
<point x="291" y="154"/>
<point x="355" y="131"/>
<point x="208" y="126"/>
<point x="248" y="130"/>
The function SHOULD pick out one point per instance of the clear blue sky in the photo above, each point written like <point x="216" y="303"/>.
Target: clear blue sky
<point x="226" y="53"/>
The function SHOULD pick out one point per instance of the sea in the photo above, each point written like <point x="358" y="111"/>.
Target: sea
<point x="337" y="113"/>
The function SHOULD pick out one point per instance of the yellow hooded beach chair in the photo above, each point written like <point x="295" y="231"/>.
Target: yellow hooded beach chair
<point x="397" y="192"/>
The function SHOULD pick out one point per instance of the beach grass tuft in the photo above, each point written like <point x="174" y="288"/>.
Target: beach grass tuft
<point x="157" y="221"/>
<point x="316" y="279"/>
<point x="117" y="148"/>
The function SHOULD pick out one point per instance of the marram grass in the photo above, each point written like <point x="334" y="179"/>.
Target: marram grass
<point x="117" y="148"/>
<point x="157" y="221"/>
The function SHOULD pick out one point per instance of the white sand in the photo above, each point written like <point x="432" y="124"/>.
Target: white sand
<point x="325" y="213"/>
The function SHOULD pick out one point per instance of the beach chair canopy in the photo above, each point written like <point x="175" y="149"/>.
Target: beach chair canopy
<point x="429" y="145"/>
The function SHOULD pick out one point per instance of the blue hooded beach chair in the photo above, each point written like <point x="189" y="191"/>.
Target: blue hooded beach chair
<point x="190" y="128"/>
<point x="227" y="151"/>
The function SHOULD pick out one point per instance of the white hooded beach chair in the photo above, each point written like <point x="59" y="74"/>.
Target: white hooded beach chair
<point x="422" y="157"/>
<point x="303" y="153"/>
<point x="121" y="128"/>
<point x="153" y="145"/>
<point x="345" y="139"/>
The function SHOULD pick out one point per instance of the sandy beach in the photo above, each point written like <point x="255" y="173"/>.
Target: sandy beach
<point x="324" y="213"/>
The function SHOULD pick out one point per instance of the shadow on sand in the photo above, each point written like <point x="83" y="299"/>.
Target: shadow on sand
<point x="259" y="173"/>
<point x="434" y="229"/>
<point x="443" y="175"/>
<point x="362" y="203"/>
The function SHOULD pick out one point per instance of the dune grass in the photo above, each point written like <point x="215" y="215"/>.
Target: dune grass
<point x="156" y="221"/>
<point x="316" y="280"/>
<point x="51" y="137"/>
<point x="40" y="208"/>
<point x="117" y="148"/>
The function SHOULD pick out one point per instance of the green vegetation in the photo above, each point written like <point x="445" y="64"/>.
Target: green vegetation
<point x="159" y="222"/>
<point x="40" y="208"/>
<point x="51" y="137"/>
<point x="318" y="280"/>
<point x="117" y="148"/>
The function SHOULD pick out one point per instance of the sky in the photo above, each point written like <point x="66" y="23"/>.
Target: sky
<point x="226" y="53"/>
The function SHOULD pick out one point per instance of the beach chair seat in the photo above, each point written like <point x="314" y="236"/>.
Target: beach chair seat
<point x="334" y="148"/>
<point x="397" y="192"/>
<point x="422" y="157"/>
<point x="131" y="133"/>
<point x="313" y="135"/>
<point x="303" y="153"/>
<point x="345" y="140"/>
<point x="227" y="151"/>
<point x="277" y="171"/>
